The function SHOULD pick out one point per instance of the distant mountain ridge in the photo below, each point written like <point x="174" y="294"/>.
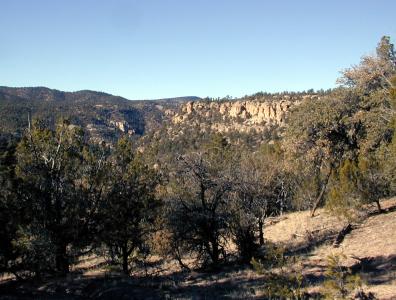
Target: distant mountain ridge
<point x="47" y="94"/>
<point x="103" y="115"/>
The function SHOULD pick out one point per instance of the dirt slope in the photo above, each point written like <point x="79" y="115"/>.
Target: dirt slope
<point x="372" y="242"/>
<point x="369" y="249"/>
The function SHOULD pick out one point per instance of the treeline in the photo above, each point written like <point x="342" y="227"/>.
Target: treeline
<point x="84" y="108"/>
<point x="273" y="96"/>
<point x="62" y="197"/>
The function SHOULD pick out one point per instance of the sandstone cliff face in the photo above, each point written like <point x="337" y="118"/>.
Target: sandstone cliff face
<point x="242" y="116"/>
<point x="123" y="126"/>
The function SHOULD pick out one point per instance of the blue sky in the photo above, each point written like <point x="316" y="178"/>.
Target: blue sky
<point x="154" y="49"/>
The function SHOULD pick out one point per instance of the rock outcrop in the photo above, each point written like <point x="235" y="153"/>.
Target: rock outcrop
<point x="123" y="126"/>
<point x="242" y="116"/>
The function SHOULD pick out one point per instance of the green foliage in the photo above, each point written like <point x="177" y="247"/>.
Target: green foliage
<point x="357" y="183"/>
<point x="273" y="257"/>
<point x="71" y="195"/>
<point x="283" y="277"/>
<point x="317" y="139"/>
<point x="128" y="212"/>
<point x="385" y="50"/>
<point x="388" y="153"/>
<point x="388" y="161"/>
<point x="320" y="130"/>
<point x="284" y="287"/>
<point x="340" y="283"/>
<point x="343" y="196"/>
<point x="49" y="164"/>
<point x="36" y="251"/>
<point x="12" y="207"/>
<point x="346" y="134"/>
<point x="373" y="72"/>
<point x="392" y="91"/>
<point x="88" y="109"/>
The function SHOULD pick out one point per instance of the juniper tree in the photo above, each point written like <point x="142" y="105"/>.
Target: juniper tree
<point x="58" y="188"/>
<point x="319" y="136"/>
<point x="13" y="212"/>
<point x="367" y="177"/>
<point x="128" y="213"/>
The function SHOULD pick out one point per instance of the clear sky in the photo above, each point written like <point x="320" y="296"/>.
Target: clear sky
<point x="154" y="49"/>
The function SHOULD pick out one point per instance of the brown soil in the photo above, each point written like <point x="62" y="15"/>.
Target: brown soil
<point x="369" y="249"/>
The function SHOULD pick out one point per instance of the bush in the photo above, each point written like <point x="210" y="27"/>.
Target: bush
<point x="340" y="282"/>
<point x="284" y="283"/>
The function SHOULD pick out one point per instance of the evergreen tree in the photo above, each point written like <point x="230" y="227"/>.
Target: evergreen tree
<point x="130" y="207"/>
<point x="52" y="166"/>
<point x="13" y="213"/>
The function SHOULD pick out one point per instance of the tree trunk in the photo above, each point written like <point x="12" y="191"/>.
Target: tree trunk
<point x="179" y="259"/>
<point x="378" y="206"/>
<point x="261" y="232"/>
<point x="321" y="194"/>
<point x="341" y="235"/>
<point x="215" y="253"/>
<point x="125" y="255"/>
<point x="215" y="256"/>
<point x="61" y="259"/>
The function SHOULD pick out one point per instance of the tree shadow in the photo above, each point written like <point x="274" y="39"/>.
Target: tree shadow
<point x="229" y="281"/>
<point x="373" y="270"/>
<point x="376" y="270"/>
<point x="311" y="241"/>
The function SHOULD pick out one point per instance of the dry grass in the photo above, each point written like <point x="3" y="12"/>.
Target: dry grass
<point x="374" y="238"/>
<point x="294" y="229"/>
<point x="309" y="238"/>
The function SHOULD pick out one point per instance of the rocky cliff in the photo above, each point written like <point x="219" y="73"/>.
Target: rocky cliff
<point x="242" y="116"/>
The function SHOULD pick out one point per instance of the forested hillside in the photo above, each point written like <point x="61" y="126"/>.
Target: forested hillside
<point x="103" y="116"/>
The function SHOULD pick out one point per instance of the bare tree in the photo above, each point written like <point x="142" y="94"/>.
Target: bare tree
<point x="199" y="214"/>
<point x="260" y="189"/>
